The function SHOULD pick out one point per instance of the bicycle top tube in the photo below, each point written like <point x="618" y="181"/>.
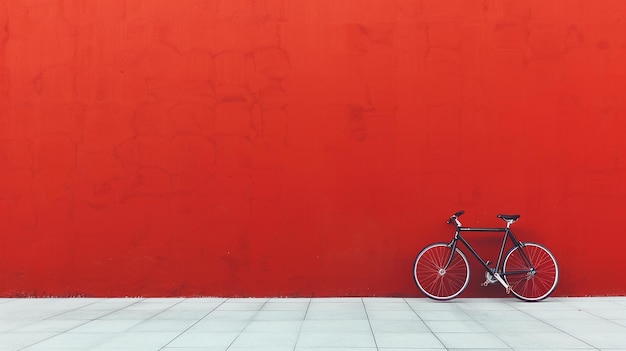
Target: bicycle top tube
<point x="472" y="229"/>
<point x="509" y="219"/>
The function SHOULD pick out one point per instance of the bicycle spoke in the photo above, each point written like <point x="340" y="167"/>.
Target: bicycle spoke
<point x="435" y="279"/>
<point x="534" y="284"/>
<point x="441" y="270"/>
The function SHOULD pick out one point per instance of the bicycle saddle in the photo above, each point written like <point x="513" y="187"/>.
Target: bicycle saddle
<point x="511" y="218"/>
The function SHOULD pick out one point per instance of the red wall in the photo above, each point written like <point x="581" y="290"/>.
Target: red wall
<point x="301" y="147"/>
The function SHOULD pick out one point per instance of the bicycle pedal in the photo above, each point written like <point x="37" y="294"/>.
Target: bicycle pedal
<point x="485" y="283"/>
<point x="508" y="290"/>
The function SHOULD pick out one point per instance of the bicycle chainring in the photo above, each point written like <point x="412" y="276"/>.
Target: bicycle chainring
<point x="490" y="277"/>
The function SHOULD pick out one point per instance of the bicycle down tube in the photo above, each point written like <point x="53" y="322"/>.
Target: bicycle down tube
<point x="528" y="270"/>
<point x="496" y="271"/>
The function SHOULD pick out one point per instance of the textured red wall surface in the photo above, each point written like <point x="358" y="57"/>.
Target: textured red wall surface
<point x="304" y="148"/>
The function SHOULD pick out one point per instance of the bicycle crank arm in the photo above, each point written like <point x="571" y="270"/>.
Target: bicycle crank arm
<point x="504" y="284"/>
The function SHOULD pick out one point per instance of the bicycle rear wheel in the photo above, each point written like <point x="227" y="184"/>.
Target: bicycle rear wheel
<point x="436" y="280"/>
<point x="526" y="283"/>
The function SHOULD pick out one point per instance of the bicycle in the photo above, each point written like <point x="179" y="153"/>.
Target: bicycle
<point x="529" y="270"/>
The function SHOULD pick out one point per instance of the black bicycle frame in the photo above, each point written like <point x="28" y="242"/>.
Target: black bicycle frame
<point x="507" y="234"/>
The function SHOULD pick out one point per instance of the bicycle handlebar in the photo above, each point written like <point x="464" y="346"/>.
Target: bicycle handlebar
<point x="455" y="216"/>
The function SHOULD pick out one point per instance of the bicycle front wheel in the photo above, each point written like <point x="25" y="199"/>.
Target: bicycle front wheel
<point x="436" y="280"/>
<point x="531" y="271"/>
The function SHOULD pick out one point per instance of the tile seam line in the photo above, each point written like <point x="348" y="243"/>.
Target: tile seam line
<point x="369" y="322"/>
<point x="488" y="329"/>
<point x="306" y="312"/>
<point x="553" y="326"/>
<point x="248" y="323"/>
<point x="87" y="321"/>
<point x="426" y="324"/>
<point x="594" y="314"/>
<point x="192" y="325"/>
